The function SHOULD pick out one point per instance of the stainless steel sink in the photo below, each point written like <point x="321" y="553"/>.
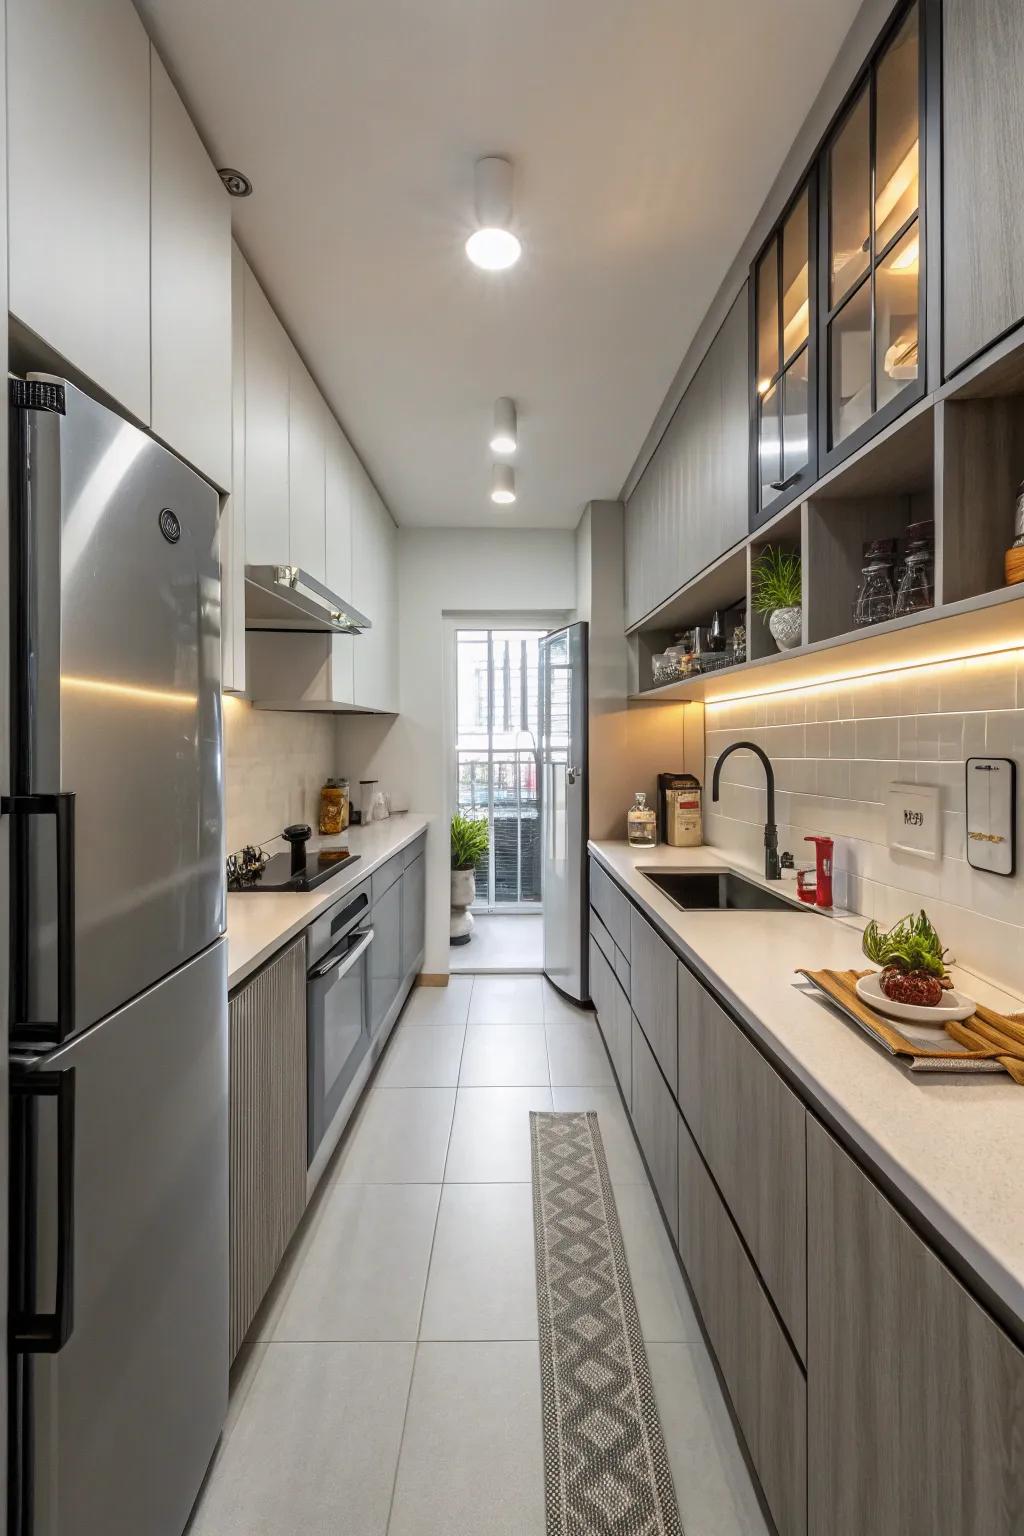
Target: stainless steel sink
<point x="716" y="890"/>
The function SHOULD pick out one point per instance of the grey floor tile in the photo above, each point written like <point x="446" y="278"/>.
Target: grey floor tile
<point x="315" y="1447"/>
<point x="422" y="1058"/>
<point x="577" y="1056"/>
<point x="491" y="1135"/>
<point x="472" y="1461"/>
<point x="504" y="1056"/>
<point x="363" y="1276"/>
<point x="661" y="1297"/>
<point x="482" y="1281"/>
<point x="400" y="1136"/>
<point x="558" y="1009"/>
<point x="713" y="1487"/>
<point x="506" y="1000"/>
<point x="624" y="1161"/>
<point x="439" y="1005"/>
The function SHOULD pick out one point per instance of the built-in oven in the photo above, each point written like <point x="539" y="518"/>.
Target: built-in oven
<point x="337" y="1010"/>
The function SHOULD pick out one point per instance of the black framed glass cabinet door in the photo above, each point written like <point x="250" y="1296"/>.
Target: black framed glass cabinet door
<point x="783" y="372"/>
<point x="871" y="283"/>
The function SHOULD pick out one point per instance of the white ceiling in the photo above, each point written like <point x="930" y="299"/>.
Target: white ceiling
<point x="645" y="135"/>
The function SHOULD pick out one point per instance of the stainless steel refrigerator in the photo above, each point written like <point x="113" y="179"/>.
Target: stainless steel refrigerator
<point x="563" y="803"/>
<point x="118" y="1000"/>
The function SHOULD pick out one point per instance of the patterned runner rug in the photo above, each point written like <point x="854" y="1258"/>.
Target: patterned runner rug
<point x="605" y="1468"/>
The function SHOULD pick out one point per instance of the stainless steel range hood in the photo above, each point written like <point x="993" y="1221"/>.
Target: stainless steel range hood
<point x="285" y="597"/>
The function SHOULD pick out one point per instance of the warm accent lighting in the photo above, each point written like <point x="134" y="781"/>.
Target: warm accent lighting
<point x="906" y="261"/>
<point x="493" y="246"/>
<point x="504" y="438"/>
<point x="129" y="692"/>
<point x="503" y="484"/>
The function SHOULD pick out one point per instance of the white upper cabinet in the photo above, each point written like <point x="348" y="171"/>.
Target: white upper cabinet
<point x="375" y="593"/>
<point x="307" y="420"/>
<point x="79" y="204"/>
<point x="267" y="358"/>
<point x="232" y="518"/>
<point x="340" y="466"/>
<point x="191" y="290"/>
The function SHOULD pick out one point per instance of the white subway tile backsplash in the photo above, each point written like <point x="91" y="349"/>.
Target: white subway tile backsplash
<point x="274" y="766"/>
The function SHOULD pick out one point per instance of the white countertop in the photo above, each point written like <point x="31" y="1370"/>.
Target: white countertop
<point x="952" y="1146"/>
<point x="259" y="922"/>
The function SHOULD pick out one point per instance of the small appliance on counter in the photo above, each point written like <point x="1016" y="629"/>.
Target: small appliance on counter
<point x="815" y="887"/>
<point x="679" y="806"/>
<point x="253" y="870"/>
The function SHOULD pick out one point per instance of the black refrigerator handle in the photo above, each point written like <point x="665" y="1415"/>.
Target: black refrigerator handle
<point x="62" y="808"/>
<point x="44" y="1333"/>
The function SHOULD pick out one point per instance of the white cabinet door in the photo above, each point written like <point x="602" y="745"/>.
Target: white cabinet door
<point x="341" y="464"/>
<point x="232" y="521"/>
<point x="78" y="207"/>
<point x="375" y="593"/>
<point x="191" y="290"/>
<point x="266" y="430"/>
<point x="306" y="426"/>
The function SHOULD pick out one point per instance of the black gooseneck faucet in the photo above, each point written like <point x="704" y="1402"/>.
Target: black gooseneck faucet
<point x="771" y="831"/>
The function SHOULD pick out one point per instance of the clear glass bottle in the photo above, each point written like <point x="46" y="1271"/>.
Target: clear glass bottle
<point x="917" y="586"/>
<point x="641" y="823"/>
<point x="877" y="600"/>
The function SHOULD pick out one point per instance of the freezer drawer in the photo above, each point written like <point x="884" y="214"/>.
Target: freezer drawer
<point x="116" y="1429"/>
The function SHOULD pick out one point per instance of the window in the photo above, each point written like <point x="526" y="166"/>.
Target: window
<point x="496" y="756"/>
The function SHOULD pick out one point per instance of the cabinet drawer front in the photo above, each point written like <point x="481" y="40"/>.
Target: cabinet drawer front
<point x="752" y="1132"/>
<point x="384" y="878"/>
<point x="622" y="971"/>
<point x="412" y="853"/>
<point x="656" y="1119"/>
<point x="602" y="982"/>
<point x="605" y="942"/>
<point x="653" y="993"/>
<point x="612" y="907"/>
<point x="767" y="1387"/>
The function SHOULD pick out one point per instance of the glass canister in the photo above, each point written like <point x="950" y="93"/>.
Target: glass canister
<point x="641" y="823"/>
<point x="333" y="809"/>
<point x="876" y="600"/>
<point x="917" y="585"/>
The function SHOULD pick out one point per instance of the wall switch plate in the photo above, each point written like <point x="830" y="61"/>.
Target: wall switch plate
<point x="992" y="814"/>
<point x="913" y="818"/>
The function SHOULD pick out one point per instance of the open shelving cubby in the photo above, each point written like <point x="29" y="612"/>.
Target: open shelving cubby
<point x="784" y="532"/>
<point x="720" y="587"/>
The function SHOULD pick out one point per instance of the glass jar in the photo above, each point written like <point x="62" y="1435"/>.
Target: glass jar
<point x="641" y="823"/>
<point x="333" y="805"/>
<point x="876" y="600"/>
<point x="917" y="585"/>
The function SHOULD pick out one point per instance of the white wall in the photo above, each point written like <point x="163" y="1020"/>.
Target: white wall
<point x="447" y="571"/>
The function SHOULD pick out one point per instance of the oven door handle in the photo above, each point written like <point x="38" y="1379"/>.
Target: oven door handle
<point x="344" y="963"/>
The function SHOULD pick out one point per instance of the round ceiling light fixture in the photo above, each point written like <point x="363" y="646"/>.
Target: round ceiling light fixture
<point x="237" y="183"/>
<point x="503" y="484"/>
<point x="493" y="246"/>
<point x="504" y="437"/>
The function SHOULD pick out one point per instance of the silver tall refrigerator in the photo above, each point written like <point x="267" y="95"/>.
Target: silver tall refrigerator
<point x="118" y="1001"/>
<point x="564" y="808"/>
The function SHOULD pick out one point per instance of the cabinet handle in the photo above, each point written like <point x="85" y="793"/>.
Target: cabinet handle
<point x="345" y="962"/>
<point x="62" y="808"/>
<point x="784" y="485"/>
<point x="44" y="1333"/>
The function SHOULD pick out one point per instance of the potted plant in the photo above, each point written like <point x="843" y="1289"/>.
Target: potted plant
<point x="470" y="841"/>
<point x="776" y="594"/>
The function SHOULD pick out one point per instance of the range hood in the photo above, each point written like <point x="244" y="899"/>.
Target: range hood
<point x="285" y="597"/>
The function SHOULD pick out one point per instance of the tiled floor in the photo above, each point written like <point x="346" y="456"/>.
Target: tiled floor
<point x="391" y="1383"/>
<point x="501" y="943"/>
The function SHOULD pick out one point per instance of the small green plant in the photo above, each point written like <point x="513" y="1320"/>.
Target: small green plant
<point x="775" y="581"/>
<point x="911" y="945"/>
<point x="470" y="840"/>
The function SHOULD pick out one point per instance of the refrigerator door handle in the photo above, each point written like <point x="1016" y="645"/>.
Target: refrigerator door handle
<point x="45" y="1333"/>
<point x="62" y="808"/>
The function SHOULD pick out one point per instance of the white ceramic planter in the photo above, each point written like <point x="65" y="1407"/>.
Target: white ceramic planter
<point x="786" y="625"/>
<point x="463" y="897"/>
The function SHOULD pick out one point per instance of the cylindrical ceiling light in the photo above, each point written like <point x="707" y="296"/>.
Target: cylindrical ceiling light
<point x="493" y="246"/>
<point x="504" y="437"/>
<point x="503" y="484"/>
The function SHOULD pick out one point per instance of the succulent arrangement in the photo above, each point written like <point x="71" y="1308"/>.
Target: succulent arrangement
<point x="912" y="958"/>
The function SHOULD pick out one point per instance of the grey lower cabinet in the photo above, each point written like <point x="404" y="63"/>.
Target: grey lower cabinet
<point x="267" y="1156"/>
<point x="611" y="1005"/>
<point x="414" y="914"/>
<point x="762" y="1374"/>
<point x="655" y="1119"/>
<point x="385" y="968"/>
<point x="610" y="905"/>
<point x="983" y="173"/>
<point x="915" y="1396"/>
<point x="751" y="1130"/>
<point x="653" y="967"/>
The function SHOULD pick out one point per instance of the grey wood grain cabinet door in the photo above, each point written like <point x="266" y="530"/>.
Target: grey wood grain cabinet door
<point x="915" y="1396"/>
<point x="763" y="1376"/>
<point x="267" y="1158"/>
<point x="610" y="904"/>
<point x="414" y="915"/>
<point x="983" y="173"/>
<point x="652" y="985"/>
<point x="751" y="1130"/>
<point x="656" y="1119"/>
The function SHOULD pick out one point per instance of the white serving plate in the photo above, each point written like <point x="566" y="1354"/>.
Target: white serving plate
<point x="954" y="1005"/>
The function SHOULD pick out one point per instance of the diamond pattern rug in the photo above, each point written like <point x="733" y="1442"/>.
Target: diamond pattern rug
<point x="605" y="1468"/>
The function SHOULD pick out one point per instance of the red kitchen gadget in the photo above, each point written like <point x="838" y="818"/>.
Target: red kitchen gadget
<point x="823" y="847"/>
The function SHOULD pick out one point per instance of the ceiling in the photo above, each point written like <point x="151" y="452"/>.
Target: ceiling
<point x="645" y="137"/>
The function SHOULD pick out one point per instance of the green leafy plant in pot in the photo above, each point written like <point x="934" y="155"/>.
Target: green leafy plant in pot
<point x="470" y="840"/>
<point x="777" y="594"/>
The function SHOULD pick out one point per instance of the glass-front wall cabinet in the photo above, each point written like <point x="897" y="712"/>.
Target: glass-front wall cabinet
<point x="871" y="290"/>
<point x="783" y="341"/>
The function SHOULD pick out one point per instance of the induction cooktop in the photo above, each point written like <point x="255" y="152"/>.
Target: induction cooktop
<point x="252" y="870"/>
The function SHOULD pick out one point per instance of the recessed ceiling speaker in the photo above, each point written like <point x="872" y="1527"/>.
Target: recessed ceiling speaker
<point x="237" y="184"/>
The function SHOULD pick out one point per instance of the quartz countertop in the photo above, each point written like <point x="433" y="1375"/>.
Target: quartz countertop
<point x="260" y="922"/>
<point x="952" y="1147"/>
